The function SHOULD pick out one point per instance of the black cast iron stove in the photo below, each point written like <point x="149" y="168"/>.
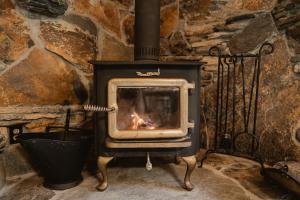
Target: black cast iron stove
<point x="151" y="108"/>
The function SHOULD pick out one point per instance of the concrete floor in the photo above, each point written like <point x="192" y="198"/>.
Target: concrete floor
<point x="221" y="178"/>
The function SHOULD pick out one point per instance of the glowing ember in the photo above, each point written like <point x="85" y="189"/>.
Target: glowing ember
<point x="141" y="123"/>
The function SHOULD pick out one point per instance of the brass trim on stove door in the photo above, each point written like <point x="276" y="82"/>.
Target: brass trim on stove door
<point x="149" y="82"/>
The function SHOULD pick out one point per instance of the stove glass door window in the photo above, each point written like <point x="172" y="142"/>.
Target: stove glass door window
<point x="148" y="108"/>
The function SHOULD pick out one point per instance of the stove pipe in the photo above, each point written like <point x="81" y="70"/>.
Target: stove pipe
<point x="147" y="30"/>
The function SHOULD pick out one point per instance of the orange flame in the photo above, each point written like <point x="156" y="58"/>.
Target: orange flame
<point x="140" y="123"/>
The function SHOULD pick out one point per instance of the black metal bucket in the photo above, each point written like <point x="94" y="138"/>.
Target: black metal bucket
<point x="60" y="157"/>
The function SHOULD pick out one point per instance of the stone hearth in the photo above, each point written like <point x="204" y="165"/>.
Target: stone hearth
<point x="221" y="178"/>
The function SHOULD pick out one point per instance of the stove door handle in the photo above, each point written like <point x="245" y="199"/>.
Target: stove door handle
<point x="95" y="108"/>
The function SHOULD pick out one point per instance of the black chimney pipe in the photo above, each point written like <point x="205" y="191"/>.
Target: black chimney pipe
<point x="147" y="30"/>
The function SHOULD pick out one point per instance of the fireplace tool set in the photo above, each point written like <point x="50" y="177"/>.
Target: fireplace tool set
<point x="236" y="111"/>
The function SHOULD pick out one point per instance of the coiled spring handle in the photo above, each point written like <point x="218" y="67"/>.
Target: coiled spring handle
<point x="94" y="108"/>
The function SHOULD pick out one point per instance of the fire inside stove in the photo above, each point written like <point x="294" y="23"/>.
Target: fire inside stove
<point x="148" y="108"/>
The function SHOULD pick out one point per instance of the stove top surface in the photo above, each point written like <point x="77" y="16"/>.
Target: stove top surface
<point x="146" y="62"/>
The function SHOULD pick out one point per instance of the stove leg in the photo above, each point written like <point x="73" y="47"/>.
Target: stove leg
<point x="102" y="174"/>
<point x="177" y="160"/>
<point x="191" y="164"/>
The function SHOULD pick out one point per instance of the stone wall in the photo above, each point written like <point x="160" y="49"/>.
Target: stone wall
<point x="45" y="47"/>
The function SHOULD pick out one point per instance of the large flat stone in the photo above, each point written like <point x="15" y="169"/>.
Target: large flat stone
<point x="178" y="44"/>
<point x="42" y="78"/>
<point x="128" y="29"/>
<point x="253" y="35"/>
<point x="113" y="50"/>
<point x="28" y="189"/>
<point x="106" y="13"/>
<point x="51" y="8"/>
<point x="126" y="3"/>
<point x="279" y="108"/>
<point x="84" y="23"/>
<point x="253" y="5"/>
<point x="14" y="36"/>
<point x="69" y="42"/>
<point x="247" y="174"/>
<point x="294" y="32"/>
<point x="37" y="118"/>
<point x="6" y="4"/>
<point x="15" y="161"/>
<point x="194" y="9"/>
<point x="169" y="20"/>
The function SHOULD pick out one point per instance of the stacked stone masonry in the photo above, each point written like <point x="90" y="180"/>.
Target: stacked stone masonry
<point x="45" y="47"/>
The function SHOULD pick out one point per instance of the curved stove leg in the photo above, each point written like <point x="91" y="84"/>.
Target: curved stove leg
<point x="177" y="160"/>
<point x="102" y="174"/>
<point x="191" y="164"/>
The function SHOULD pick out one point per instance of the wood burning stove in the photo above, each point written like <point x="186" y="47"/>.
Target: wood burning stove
<point x="152" y="107"/>
<point x="157" y="115"/>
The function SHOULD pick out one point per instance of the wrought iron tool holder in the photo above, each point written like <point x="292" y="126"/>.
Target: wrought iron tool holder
<point x="237" y="103"/>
